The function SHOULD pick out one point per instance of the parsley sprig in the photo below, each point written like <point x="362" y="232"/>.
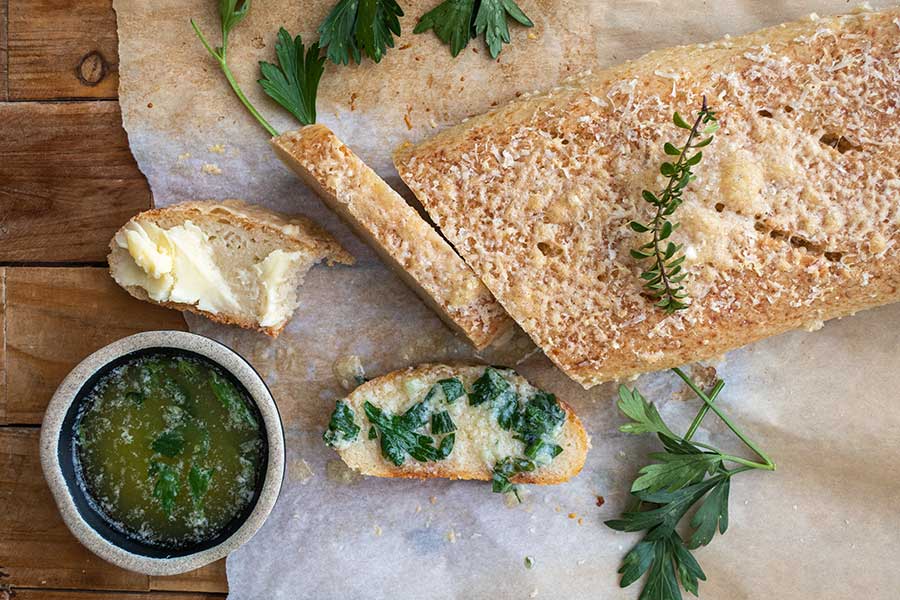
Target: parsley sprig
<point x="662" y="280"/>
<point x="455" y="22"/>
<point x="357" y="27"/>
<point x="293" y="82"/>
<point x="683" y="475"/>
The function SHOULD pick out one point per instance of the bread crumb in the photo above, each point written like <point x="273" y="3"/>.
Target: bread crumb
<point x="451" y="536"/>
<point x="378" y="530"/>
<point x="217" y="148"/>
<point x="433" y="499"/>
<point x="184" y="156"/>
<point x="211" y="169"/>
<point x="573" y="516"/>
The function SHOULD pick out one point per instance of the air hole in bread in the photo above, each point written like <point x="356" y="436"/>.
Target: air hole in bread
<point x="719" y="207"/>
<point x="834" y="256"/>
<point x="838" y="142"/>
<point x="565" y="142"/>
<point x="549" y="249"/>
<point x="788" y="108"/>
<point x="765" y="113"/>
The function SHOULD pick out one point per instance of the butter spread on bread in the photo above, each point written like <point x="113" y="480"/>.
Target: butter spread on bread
<point x="490" y="412"/>
<point x="400" y="236"/>
<point x="230" y="261"/>
<point x="794" y="218"/>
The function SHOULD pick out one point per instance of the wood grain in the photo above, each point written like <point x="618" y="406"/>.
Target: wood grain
<point x="56" y="316"/>
<point x="4" y="88"/>
<point x="62" y="49"/>
<point x="36" y="548"/>
<point x="67" y="181"/>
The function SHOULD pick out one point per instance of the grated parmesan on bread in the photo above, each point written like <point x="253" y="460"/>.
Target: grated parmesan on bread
<point x="229" y="261"/>
<point x="480" y="442"/>
<point x="794" y="218"/>
<point x="400" y="236"/>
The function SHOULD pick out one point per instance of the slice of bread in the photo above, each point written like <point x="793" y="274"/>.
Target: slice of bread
<point x="400" y="236"/>
<point x="793" y="219"/>
<point x="229" y="261"/>
<point x="480" y="441"/>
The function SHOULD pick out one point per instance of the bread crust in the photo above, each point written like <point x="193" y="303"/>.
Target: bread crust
<point x="400" y="236"/>
<point x="294" y="232"/>
<point x="794" y="218"/>
<point x="567" y="465"/>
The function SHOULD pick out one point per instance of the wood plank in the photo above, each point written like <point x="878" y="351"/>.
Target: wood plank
<point x="4" y="81"/>
<point x="210" y="578"/>
<point x="2" y="345"/>
<point x="62" y="49"/>
<point x="56" y="316"/>
<point x="36" y="548"/>
<point x="42" y="594"/>
<point x="67" y="181"/>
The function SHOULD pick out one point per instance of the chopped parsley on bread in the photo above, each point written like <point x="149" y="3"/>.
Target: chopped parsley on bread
<point x="400" y="236"/>
<point x="458" y="422"/>
<point x="229" y="261"/>
<point x="793" y="219"/>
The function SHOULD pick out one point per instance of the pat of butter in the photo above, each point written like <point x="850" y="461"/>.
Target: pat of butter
<point x="176" y="265"/>
<point x="273" y="273"/>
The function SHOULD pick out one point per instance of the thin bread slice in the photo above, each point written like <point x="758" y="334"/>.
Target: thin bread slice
<point x="229" y="261"/>
<point x="400" y="236"/>
<point x="793" y="219"/>
<point x="480" y="441"/>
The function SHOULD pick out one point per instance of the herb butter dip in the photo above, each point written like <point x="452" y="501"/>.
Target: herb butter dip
<point x="168" y="449"/>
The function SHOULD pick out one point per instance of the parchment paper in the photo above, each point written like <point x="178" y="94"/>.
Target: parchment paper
<point x="826" y="405"/>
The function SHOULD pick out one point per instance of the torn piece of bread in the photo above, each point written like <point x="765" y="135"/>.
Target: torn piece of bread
<point x="478" y="401"/>
<point x="229" y="261"/>
<point x="794" y="217"/>
<point x="400" y="236"/>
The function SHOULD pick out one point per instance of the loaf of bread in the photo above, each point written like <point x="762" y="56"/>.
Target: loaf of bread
<point x="400" y="236"/>
<point x="229" y="261"/>
<point x="495" y="415"/>
<point x="794" y="218"/>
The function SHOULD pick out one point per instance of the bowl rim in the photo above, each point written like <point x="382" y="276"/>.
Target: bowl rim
<point x="68" y="391"/>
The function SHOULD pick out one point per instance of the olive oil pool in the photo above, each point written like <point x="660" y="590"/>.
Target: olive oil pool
<point x="168" y="449"/>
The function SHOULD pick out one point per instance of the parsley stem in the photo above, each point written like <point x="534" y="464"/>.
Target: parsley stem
<point x="220" y="58"/>
<point x="769" y="465"/>
<point x="703" y="410"/>
<point x="737" y="459"/>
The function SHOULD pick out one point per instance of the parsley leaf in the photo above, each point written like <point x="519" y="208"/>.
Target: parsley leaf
<point x="442" y="423"/>
<point x="198" y="479"/>
<point x="166" y="487"/>
<point x="645" y="416"/>
<point x="232" y="399"/>
<point x="399" y="439"/>
<point x="342" y="427"/>
<point x="455" y="22"/>
<point x="169" y="443"/>
<point x="488" y="387"/>
<point x="712" y="514"/>
<point x="357" y="27"/>
<point x="453" y="389"/>
<point x="506" y="469"/>
<point x="294" y="81"/>
<point x="674" y="471"/>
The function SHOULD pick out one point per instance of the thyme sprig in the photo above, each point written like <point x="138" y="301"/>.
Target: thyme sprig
<point x="662" y="281"/>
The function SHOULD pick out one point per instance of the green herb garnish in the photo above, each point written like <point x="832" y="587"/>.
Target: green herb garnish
<point x="294" y="81"/>
<point x="442" y="423"/>
<point x="453" y="389"/>
<point x="342" y="427"/>
<point x="357" y="27"/>
<point x="169" y="443"/>
<point x="539" y="418"/>
<point x="506" y="469"/>
<point x="662" y="281"/>
<point x="373" y="433"/>
<point x="666" y="490"/>
<point x="166" y="487"/>
<point x="231" y="399"/>
<point x="136" y="398"/>
<point x="455" y="22"/>
<point x="489" y="387"/>
<point x="232" y="12"/>
<point x="198" y="479"/>
<point x="399" y="438"/>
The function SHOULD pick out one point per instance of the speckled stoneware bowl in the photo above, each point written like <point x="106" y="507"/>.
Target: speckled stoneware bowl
<point x="58" y="456"/>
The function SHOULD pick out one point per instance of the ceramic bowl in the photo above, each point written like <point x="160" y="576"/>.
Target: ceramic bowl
<point x="58" y="456"/>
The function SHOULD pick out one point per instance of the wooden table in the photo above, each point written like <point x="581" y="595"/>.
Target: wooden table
<point x="67" y="182"/>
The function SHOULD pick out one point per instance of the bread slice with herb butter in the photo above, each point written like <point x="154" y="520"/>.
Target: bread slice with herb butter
<point x="400" y="236"/>
<point x="793" y="218"/>
<point x="503" y="428"/>
<point x="229" y="261"/>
